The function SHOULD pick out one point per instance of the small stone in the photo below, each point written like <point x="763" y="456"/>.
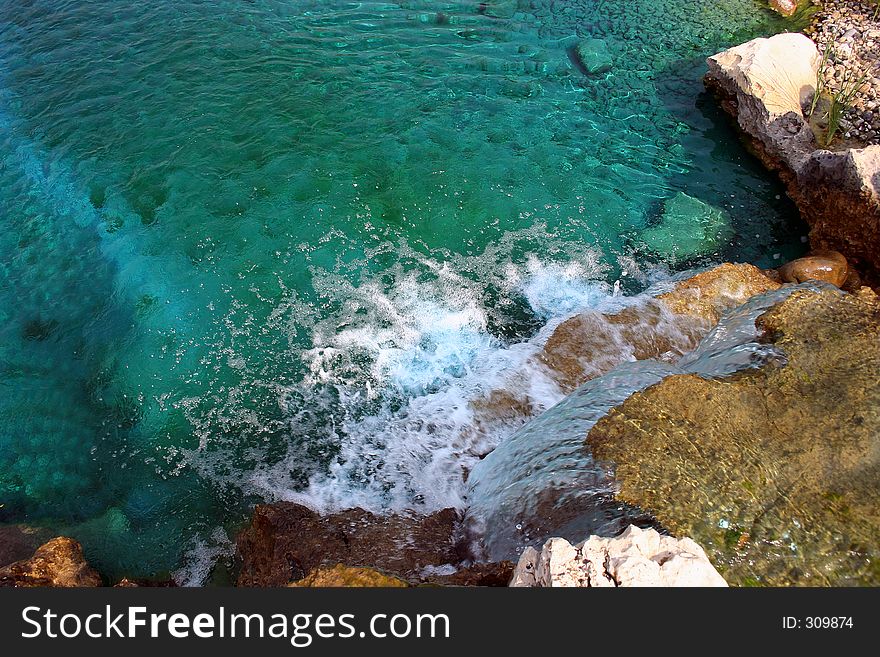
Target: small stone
<point x="828" y="266"/>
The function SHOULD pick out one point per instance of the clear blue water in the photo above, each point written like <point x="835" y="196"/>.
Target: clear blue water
<point x="259" y="250"/>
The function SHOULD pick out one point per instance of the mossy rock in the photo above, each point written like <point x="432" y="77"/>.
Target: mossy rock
<point x="348" y="577"/>
<point x="775" y="472"/>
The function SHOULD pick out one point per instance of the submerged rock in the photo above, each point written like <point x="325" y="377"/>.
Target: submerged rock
<point x="58" y="563"/>
<point x="687" y="228"/>
<point x="592" y="343"/>
<point x="594" y="56"/>
<point x="638" y="557"/>
<point x="18" y="542"/>
<point x="765" y="84"/>
<point x="828" y="266"/>
<point x="348" y="577"/>
<point x="773" y="471"/>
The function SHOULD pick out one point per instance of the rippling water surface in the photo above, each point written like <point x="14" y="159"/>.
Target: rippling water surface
<point x="258" y="250"/>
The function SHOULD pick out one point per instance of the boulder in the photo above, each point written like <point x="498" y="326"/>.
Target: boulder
<point x="340" y="576"/>
<point x="638" y="557"/>
<point x="828" y="266"/>
<point x="764" y="84"/>
<point x="687" y="228"/>
<point x="58" y="563"/>
<point x="773" y="471"/>
<point x="592" y="343"/>
<point x="594" y="56"/>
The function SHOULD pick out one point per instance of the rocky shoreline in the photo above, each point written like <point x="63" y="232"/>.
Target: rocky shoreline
<point x="772" y="471"/>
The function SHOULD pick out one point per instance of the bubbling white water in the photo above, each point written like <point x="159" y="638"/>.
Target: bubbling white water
<point x="390" y="381"/>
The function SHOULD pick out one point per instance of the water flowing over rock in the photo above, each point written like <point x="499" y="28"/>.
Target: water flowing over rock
<point x="708" y="295"/>
<point x="638" y="557"/>
<point x="773" y="471"/>
<point x="541" y="481"/>
<point x="58" y="563"/>
<point x="765" y="84"/>
<point x="592" y="343"/>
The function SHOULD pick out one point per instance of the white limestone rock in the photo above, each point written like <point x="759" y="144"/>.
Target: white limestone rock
<point x="638" y="557"/>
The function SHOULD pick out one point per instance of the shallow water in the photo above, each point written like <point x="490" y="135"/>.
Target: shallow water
<point x="269" y="250"/>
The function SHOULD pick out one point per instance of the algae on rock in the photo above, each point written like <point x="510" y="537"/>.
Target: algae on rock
<point x="775" y="472"/>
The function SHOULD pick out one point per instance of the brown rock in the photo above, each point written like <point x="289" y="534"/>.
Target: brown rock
<point x="58" y="563"/>
<point x="828" y="266"/>
<point x="838" y="195"/>
<point x="340" y="576"/>
<point x="708" y="295"/>
<point x="286" y="541"/>
<point x="774" y="471"/>
<point x="590" y="344"/>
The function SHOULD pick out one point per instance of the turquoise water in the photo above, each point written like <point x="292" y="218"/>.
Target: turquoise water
<point x="260" y="250"/>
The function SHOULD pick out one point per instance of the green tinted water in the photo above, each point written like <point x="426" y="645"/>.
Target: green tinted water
<point x="262" y="250"/>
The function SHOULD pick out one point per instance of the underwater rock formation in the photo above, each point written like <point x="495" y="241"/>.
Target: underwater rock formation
<point x="687" y="228"/>
<point x="18" y="542"/>
<point x="765" y="84"/>
<point x="58" y="563"/>
<point x="594" y="56"/>
<point x="638" y="557"/>
<point x="773" y="471"/>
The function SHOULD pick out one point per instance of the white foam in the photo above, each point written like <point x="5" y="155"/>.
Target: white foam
<point x="398" y="365"/>
<point x="199" y="560"/>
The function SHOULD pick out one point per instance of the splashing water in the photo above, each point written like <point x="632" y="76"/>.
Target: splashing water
<point x="542" y="480"/>
<point x="277" y="249"/>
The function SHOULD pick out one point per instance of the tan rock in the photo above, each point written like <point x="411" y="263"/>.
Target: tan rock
<point x="828" y="266"/>
<point x="708" y="295"/>
<point x="348" y="577"/>
<point x="638" y="557"/>
<point x="58" y="563"/>
<point x="772" y="471"/>
<point x="764" y="84"/>
<point x="590" y="344"/>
